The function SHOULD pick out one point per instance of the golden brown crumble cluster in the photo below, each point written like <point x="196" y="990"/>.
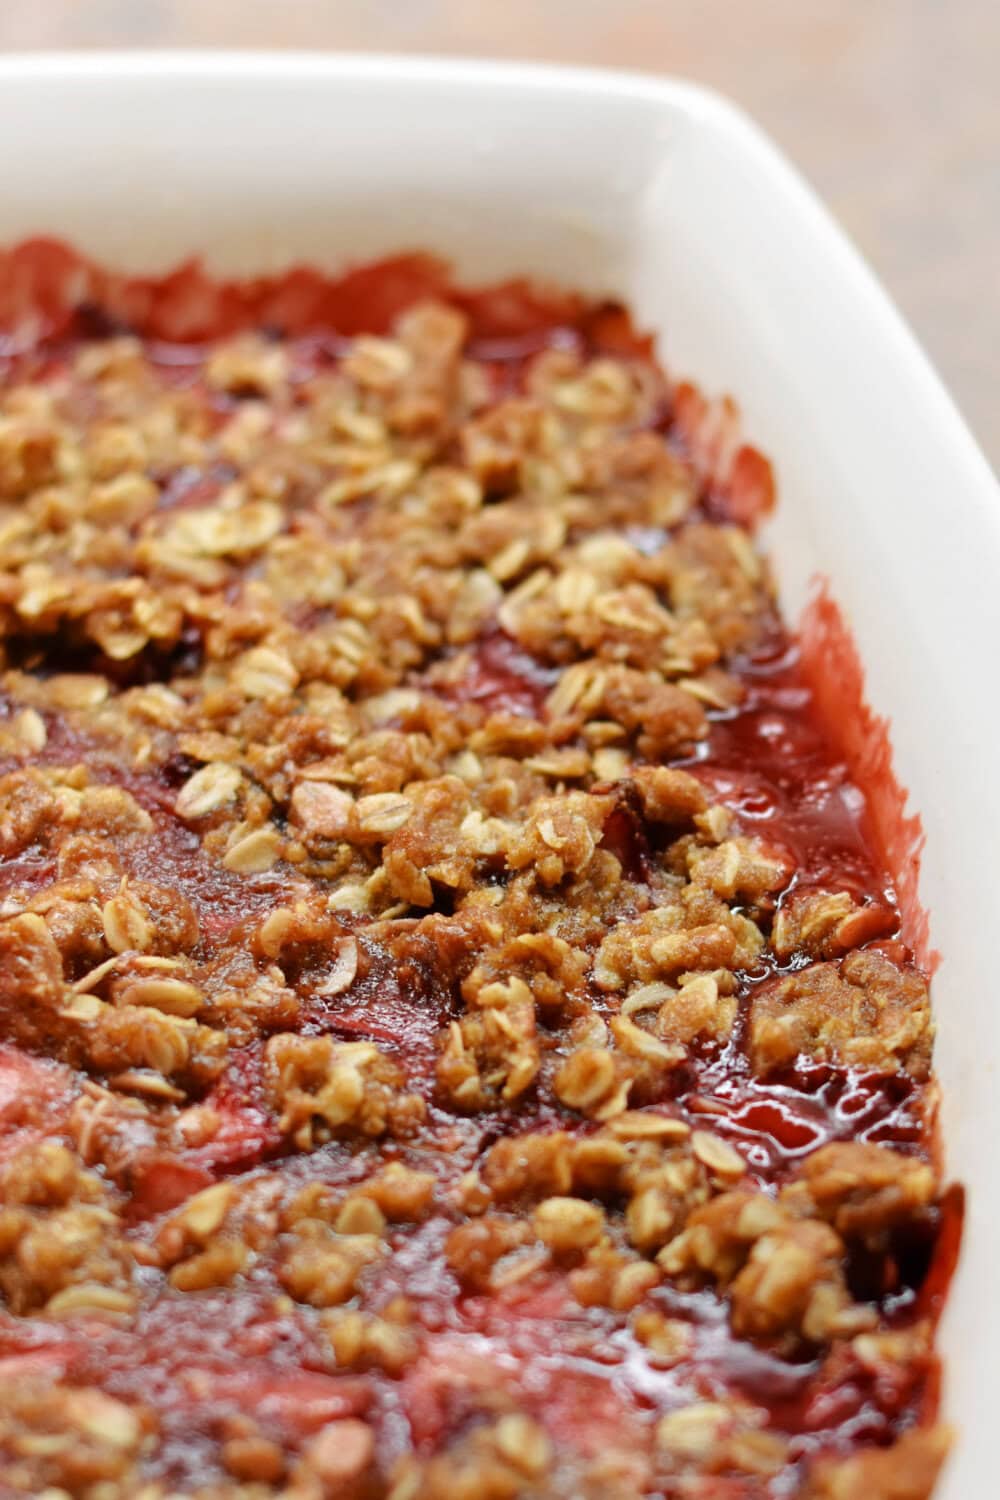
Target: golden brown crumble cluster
<point x="335" y="818"/>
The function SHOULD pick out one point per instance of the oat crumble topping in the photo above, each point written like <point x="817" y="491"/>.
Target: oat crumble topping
<point x="445" y="1053"/>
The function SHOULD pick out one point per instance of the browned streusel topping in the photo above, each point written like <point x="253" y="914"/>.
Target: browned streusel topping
<point x="370" y="985"/>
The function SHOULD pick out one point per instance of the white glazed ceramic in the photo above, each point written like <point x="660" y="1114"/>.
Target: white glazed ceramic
<point x="669" y="197"/>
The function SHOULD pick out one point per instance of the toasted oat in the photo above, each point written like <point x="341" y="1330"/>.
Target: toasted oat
<point x="208" y="789"/>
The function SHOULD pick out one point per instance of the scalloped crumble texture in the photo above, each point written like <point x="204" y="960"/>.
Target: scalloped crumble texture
<point x="455" y="1038"/>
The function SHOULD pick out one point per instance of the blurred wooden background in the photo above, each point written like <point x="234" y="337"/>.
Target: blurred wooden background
<point x="891" y="107"/>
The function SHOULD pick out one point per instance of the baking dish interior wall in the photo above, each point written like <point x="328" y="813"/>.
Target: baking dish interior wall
<point x="666" y="197"/>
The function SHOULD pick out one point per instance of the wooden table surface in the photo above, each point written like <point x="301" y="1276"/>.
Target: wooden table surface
<point x="891" y="107"/>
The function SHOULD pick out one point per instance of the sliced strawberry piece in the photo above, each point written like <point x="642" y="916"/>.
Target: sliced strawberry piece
<point x="34" y="1097"/>
<point x="160" y="1183"/>
<point x="296" y="1401"/>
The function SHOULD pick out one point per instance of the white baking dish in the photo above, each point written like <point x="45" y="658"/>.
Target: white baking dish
<point x="667" y="196"/>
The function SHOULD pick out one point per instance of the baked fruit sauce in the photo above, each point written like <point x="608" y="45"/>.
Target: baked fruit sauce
<point x="457" y="1036"/>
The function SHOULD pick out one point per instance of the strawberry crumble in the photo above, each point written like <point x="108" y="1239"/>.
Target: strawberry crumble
<point x="456" y="1040"/>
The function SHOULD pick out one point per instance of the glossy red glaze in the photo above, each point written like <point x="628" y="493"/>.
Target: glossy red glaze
<point x="835" y="674"/>
<point x="505" y="679"/>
